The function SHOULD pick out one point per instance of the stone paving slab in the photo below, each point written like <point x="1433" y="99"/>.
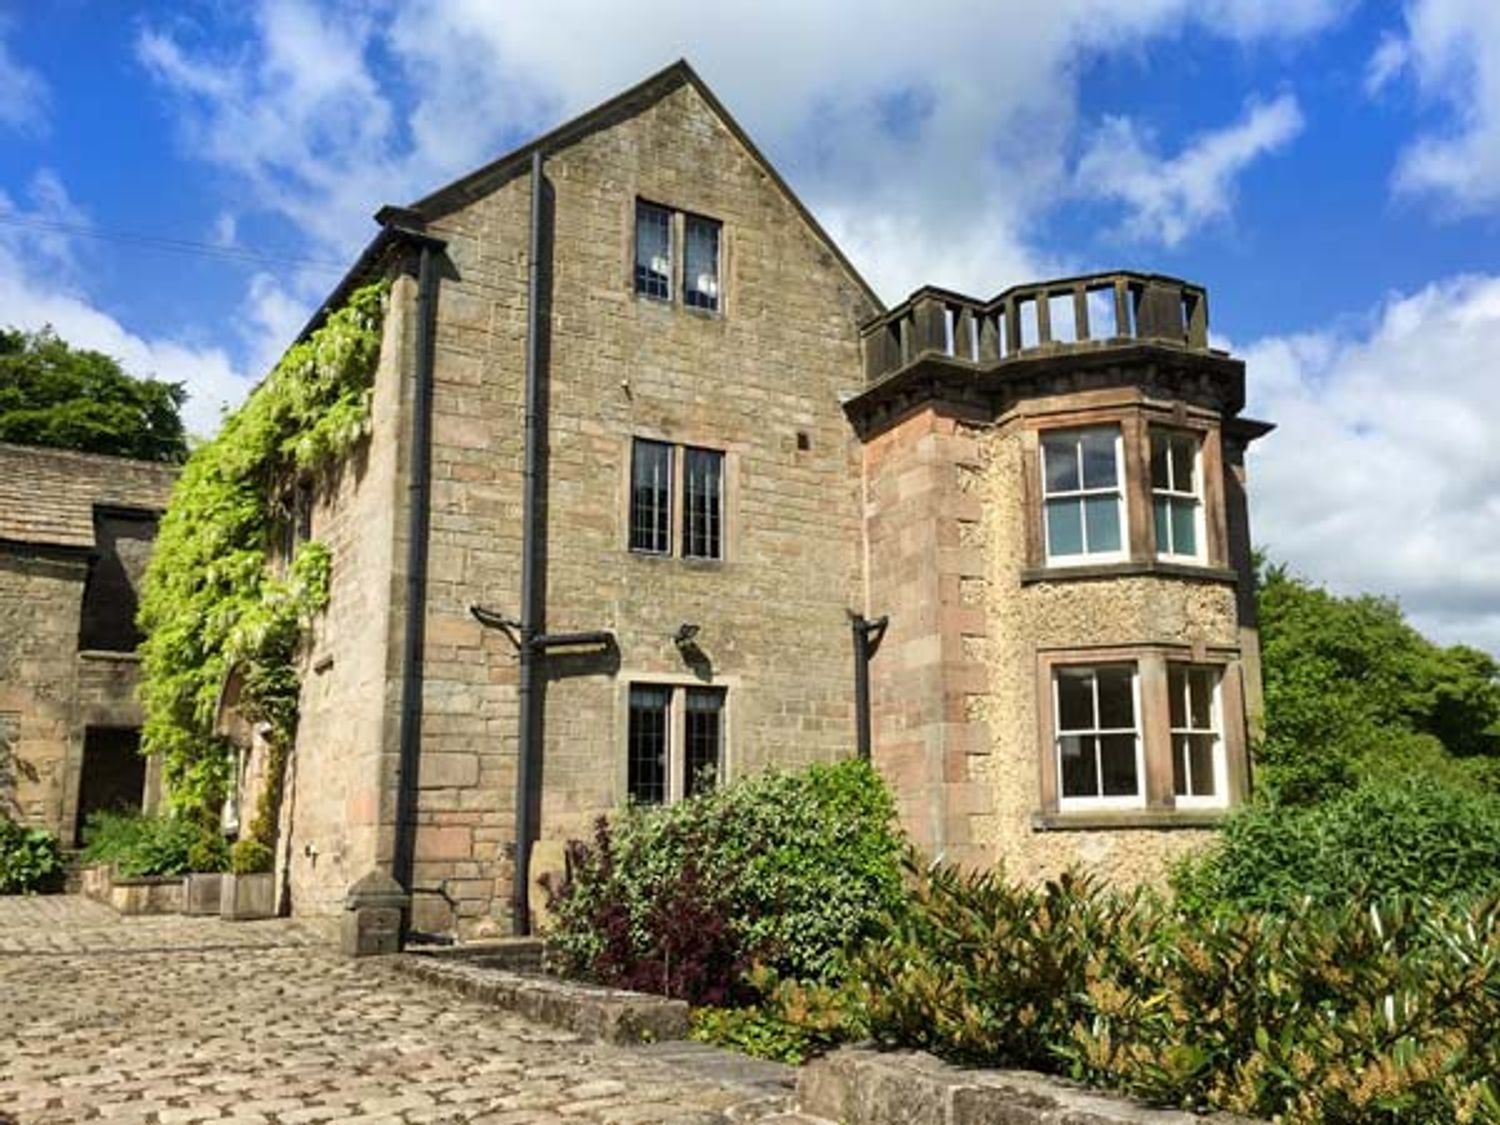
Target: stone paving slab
<point x="152" y="1021"/>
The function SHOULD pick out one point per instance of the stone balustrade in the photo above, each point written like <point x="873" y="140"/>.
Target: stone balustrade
<point x="1041" y="318"/>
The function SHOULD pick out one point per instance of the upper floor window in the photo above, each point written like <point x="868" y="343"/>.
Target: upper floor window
<point x="700" y="263"/>
<point x="653" y="251"/>
<point x="1083" y="500"/>
<point x="1197" y="744"/>
<point x="1177" y="494"/>
<point x="675" y="742"/>
<point x="676" y="485"/>
<point x="703" y="504"/>
<point x="1098" y="736"/>
<point x="651" y="497"/>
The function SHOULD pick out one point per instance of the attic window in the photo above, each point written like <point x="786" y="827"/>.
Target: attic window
<point x="653" y="251"/>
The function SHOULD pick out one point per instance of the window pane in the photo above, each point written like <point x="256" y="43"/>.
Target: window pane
<point x="700" y="264"/>
<point x="1098" y="458"/>
<point x="1184" y="527"/>
<point x="1064" y="527"/>
<point x="1117" y="759"/>
<point x="1116" y="698"/>
<point x="1162" y="510"/>
<point x="1177" y="695"/>
<point x="1076" y="765"/>
<point x="1159" y="477"/>
<point x="1075" y="699"/>
<point x="1182" y="464"/>
<point x="1200" y="750"/>
<point x="651" y="497"/>
<point x="1103" y="516"/>
<point x="1180" y="754"/>
<point x="653" y="250"/>
<point x="1201" y="683"/>
<point x="1061" y="461"/>
<point x="702" y="510"/>
<point x="647" y="754"/>
<point x="703" y="730"/>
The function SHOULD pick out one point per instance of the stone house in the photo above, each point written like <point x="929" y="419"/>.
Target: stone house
<point x="75" y="533"/>
<point x="649" y="463"/>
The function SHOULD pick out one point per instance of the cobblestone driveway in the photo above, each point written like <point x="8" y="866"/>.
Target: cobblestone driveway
<point x="176" y="1019"/>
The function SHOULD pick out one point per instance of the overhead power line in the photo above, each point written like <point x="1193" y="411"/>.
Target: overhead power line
<point x="169" y="245"/>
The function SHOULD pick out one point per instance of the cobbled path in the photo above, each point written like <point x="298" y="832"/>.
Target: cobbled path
<point x="174" y="1019"/>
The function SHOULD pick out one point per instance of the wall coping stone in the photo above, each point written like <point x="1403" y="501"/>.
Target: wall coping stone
<point x="613" y="1015"/>
<point x="863" y="1086"/>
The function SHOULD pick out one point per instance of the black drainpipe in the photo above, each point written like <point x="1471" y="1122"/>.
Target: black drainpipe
<point x="419" y="494"/>
<point x="867" y="637"/>
<point x="530" y="611"/>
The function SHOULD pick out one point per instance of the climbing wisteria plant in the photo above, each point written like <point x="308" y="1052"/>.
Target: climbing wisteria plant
<point x="211" y="601"/>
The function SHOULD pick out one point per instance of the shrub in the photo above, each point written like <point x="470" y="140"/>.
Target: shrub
<point x="785" y="868"/>
<point x="1356" y="1014"/>
<point x="140" y="845"/>
<point x="30" y="860"/>
<point x="251" y="857"/>
<point x="1386" y="837"/>
<point x="209" y="853"/>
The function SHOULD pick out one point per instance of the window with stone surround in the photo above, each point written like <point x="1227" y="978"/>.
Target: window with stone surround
<point x="1197" y="741"/>
<point x="1083" y="495"/>
<point x="680" y="486"/>
<point x="675" y="741"/>
<point x="1177" y="494"/>
<point x="1147" y="731"/>
<point x="700" y="263"/>
<point x="653" y="251"/>
<point x="1098" y="737"/>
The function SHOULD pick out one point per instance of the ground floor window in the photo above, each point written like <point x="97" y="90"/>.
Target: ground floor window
<point x="114" y="774"/>
<point x="1141" y="729"/>
<point x="675" y="742"/>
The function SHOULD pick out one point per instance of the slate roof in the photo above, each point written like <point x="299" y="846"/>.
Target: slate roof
<point x="48" y="496"/>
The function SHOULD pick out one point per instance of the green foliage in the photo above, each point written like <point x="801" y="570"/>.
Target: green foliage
<point x="1353" y="692"/>
<point x="209" y="853"/>
<point x="1407" y="836"/>
<point x="72" y="398"/>
<point x="784" y="868"/>
<point x="251" y="857"/>
<point x="139" y="844"/>
<point x="30" y="860"/>
<point x="792" y="1023"/>
<point x="1355" y="1013"/>
<point x="211" y="603"/>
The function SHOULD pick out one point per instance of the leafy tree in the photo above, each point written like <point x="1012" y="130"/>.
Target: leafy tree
<point x="72" y="398"/>
<point x="1354" y="692"/>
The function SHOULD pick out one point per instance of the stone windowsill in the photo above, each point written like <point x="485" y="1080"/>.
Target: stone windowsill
<point x="1034" y="574"/>
<point x="109" y="655"/>
<point x="1108" y="820"/>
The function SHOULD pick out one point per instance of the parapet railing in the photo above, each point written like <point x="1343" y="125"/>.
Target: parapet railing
<point x="1046" y="317"/>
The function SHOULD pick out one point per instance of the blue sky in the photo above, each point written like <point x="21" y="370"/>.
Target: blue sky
<point x="1330" y="169"/>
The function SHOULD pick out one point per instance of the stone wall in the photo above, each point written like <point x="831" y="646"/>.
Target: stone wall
<point x="749" y="381"/>
<point x="40" y="596"/>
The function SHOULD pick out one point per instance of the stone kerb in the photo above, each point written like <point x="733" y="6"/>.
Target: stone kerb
<point x="859" y="1086"/>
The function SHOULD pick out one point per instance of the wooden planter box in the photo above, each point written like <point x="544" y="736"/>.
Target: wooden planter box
<point x="201" y="892"/>
<point x="246" y="897"/>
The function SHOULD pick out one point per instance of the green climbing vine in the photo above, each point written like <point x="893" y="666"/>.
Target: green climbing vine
<point x="212" y="601"/>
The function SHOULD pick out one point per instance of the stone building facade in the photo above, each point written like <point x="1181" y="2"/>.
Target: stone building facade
<point x="75" y="534"/>
<point x="741" y="450"/>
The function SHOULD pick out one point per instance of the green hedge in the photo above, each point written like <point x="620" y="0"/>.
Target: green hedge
<point x="784" y="870"/>
<point x="1354" y="1014"/>
<point x="1402" y="836"/>
<point x="141" y="845"/>
<point x="30" y="860"/>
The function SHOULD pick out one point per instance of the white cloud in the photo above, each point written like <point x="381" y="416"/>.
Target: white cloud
<point x="1169" y="198"/>
<point x="917" y="142"/>
<point x="41" y="283"/>
<point x="1384" y="473"/>
<point x="23" y="94"/>
<point x="1451" y="48"/>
